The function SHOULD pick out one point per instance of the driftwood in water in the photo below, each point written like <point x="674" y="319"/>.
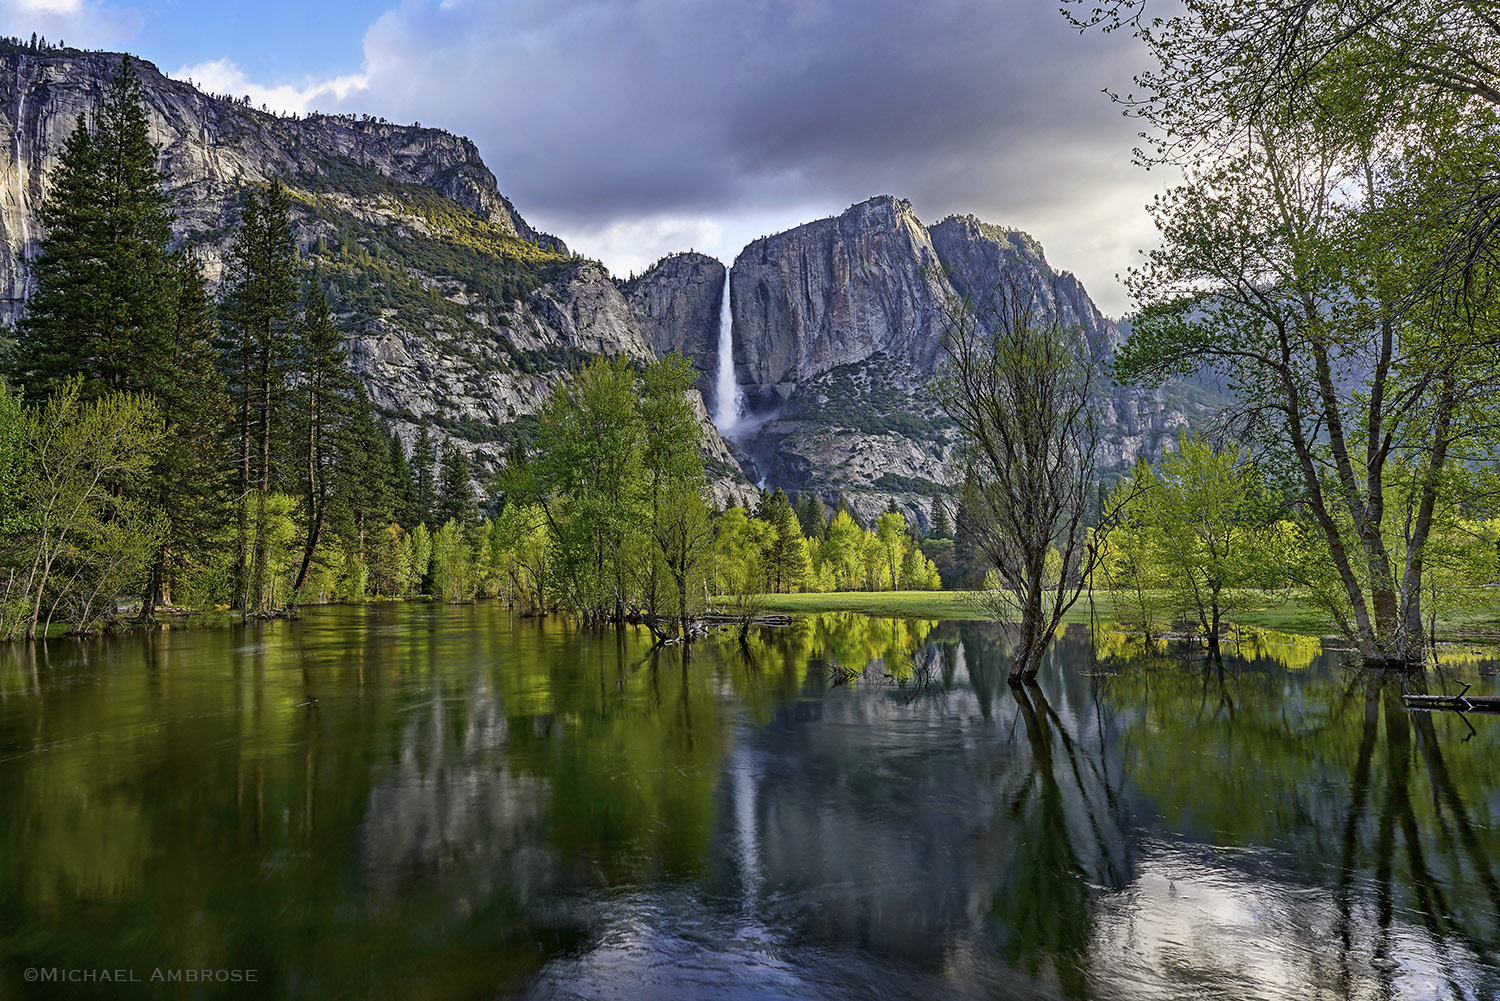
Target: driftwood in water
<point x="764" y="619"/>
<point x="1462" y="702"/>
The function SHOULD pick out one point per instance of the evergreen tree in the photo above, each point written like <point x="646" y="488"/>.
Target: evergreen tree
<point x="968" y="560"/>
<point x="323" y="405"/>
<point x="785" y="558"/>
<point x="104" y="284"/>
<point x="403" y="485"/>
<point x="763" y="506"/>
<point x="259" y="311"/>
<point x="811" y="517"/>
<point x="456" y="494"/>
<point x="364" y="498"/>
<point x="188" y="479"/>
<point x="421" y="462"/>
<point x="941" y="527"/>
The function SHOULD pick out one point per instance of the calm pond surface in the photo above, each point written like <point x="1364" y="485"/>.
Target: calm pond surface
<point x="423" y="801"/>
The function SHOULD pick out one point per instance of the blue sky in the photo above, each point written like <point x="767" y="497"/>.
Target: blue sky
<point x="633" y="128"/>
<point x="273" y="40"/>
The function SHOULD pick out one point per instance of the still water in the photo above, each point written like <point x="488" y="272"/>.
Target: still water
<point x="425" y="801"/>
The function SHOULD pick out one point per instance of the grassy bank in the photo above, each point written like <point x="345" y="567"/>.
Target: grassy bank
<point x="1481" y="621"/>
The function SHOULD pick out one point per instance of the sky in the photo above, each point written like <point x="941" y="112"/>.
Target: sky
<point x="636" y="128"/>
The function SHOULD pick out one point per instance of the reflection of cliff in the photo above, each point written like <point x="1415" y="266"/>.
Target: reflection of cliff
<point x="899" y="824"/>
<point x="450" y="812"/>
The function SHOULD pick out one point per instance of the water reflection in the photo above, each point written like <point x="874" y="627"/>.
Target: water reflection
<point x="451" y="803"/>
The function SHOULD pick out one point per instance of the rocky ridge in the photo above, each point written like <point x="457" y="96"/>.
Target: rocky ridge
<point x="837" y="337"/>
<point x="457" y="311"/>
<point x="461" y="314"/>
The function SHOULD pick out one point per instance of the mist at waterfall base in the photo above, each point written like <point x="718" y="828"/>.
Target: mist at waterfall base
<point x="731" y="416"/>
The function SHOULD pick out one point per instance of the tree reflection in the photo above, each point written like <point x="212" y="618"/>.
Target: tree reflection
<point x="1263" y="755"/>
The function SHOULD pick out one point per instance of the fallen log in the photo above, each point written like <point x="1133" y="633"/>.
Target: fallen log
<point x="1462" y="702"/>
<point x="768" y="619"/>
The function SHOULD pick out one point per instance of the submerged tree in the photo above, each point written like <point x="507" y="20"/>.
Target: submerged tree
<point x="1195" y="539"/>
<point x="1019" y="392"/>
<point x="674" y="488"/>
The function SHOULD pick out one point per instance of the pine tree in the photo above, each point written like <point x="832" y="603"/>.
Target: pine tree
<point x="968" y="559"/>
<point x="188" y="479"/>
<point x="365" y="498"/>
<point x="261" y="295"/>
<point x="811" y="516"/>
<point x="403" y="485"/>
<point x="786" y="552"/>
<point x="104" y="283"/>
<point x="941" y="528"/>
<point x="323" y="405"/>
<point x="421" y="463"/>
<point x="456" y="494"/>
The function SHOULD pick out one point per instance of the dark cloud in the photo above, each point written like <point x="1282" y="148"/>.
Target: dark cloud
<point x="596" y="113"/>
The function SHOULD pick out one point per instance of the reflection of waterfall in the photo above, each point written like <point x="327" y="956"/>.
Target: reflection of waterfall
<point x="20" y="161"/>
<point x="745" y="782"/>
<point x="726" y="392"/>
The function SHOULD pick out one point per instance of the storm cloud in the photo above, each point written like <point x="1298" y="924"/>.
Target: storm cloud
<point x="635" y="127"/>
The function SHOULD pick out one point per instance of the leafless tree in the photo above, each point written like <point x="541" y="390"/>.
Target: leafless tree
<point x="1019" y="384"/>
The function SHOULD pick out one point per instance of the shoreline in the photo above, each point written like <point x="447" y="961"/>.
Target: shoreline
<point x="1478" y="625"/>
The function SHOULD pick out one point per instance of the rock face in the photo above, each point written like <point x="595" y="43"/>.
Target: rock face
<point x="833" y="292"/>
<point x="837" y="337"/>
<point x="677" y="303"/>
<point x="455" y="310"/>
<point x="211" y="147"/>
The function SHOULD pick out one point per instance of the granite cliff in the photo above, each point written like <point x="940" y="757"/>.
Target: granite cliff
<point x="457" y="312"/>
<point x="837" y="327"/>
<point x="677" y="304"/>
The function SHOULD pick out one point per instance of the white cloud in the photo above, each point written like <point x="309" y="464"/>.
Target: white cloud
<point x="222" y="76"/>
<point x="632" y="245"/>
<point x="47" y="6"/>
<point x="75" y="22"/>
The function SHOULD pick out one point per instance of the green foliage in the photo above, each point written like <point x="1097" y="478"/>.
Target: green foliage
<point x="102" y="305"/>
<point x="85" y="538"/>
<point x="453" y="569"/>
<point x="1330" y="257"/>
<point x="14" y="462"/>
<point x="372" y="269"/>
<point x="455" y="500"/>
<point x="1198" y="539"/>
<point x="258" y="318"/>
<point x="897" y="483"/>
<point x="864" y="397"/>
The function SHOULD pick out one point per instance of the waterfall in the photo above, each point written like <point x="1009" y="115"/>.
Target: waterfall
<point x="21" y="163"/>
<point x="727" y="396"/>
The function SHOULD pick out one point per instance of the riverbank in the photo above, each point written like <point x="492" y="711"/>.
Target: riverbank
<point x="1479" y="622"/>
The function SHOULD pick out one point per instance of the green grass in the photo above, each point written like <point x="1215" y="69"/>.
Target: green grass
<point x="1480" y="622"/>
